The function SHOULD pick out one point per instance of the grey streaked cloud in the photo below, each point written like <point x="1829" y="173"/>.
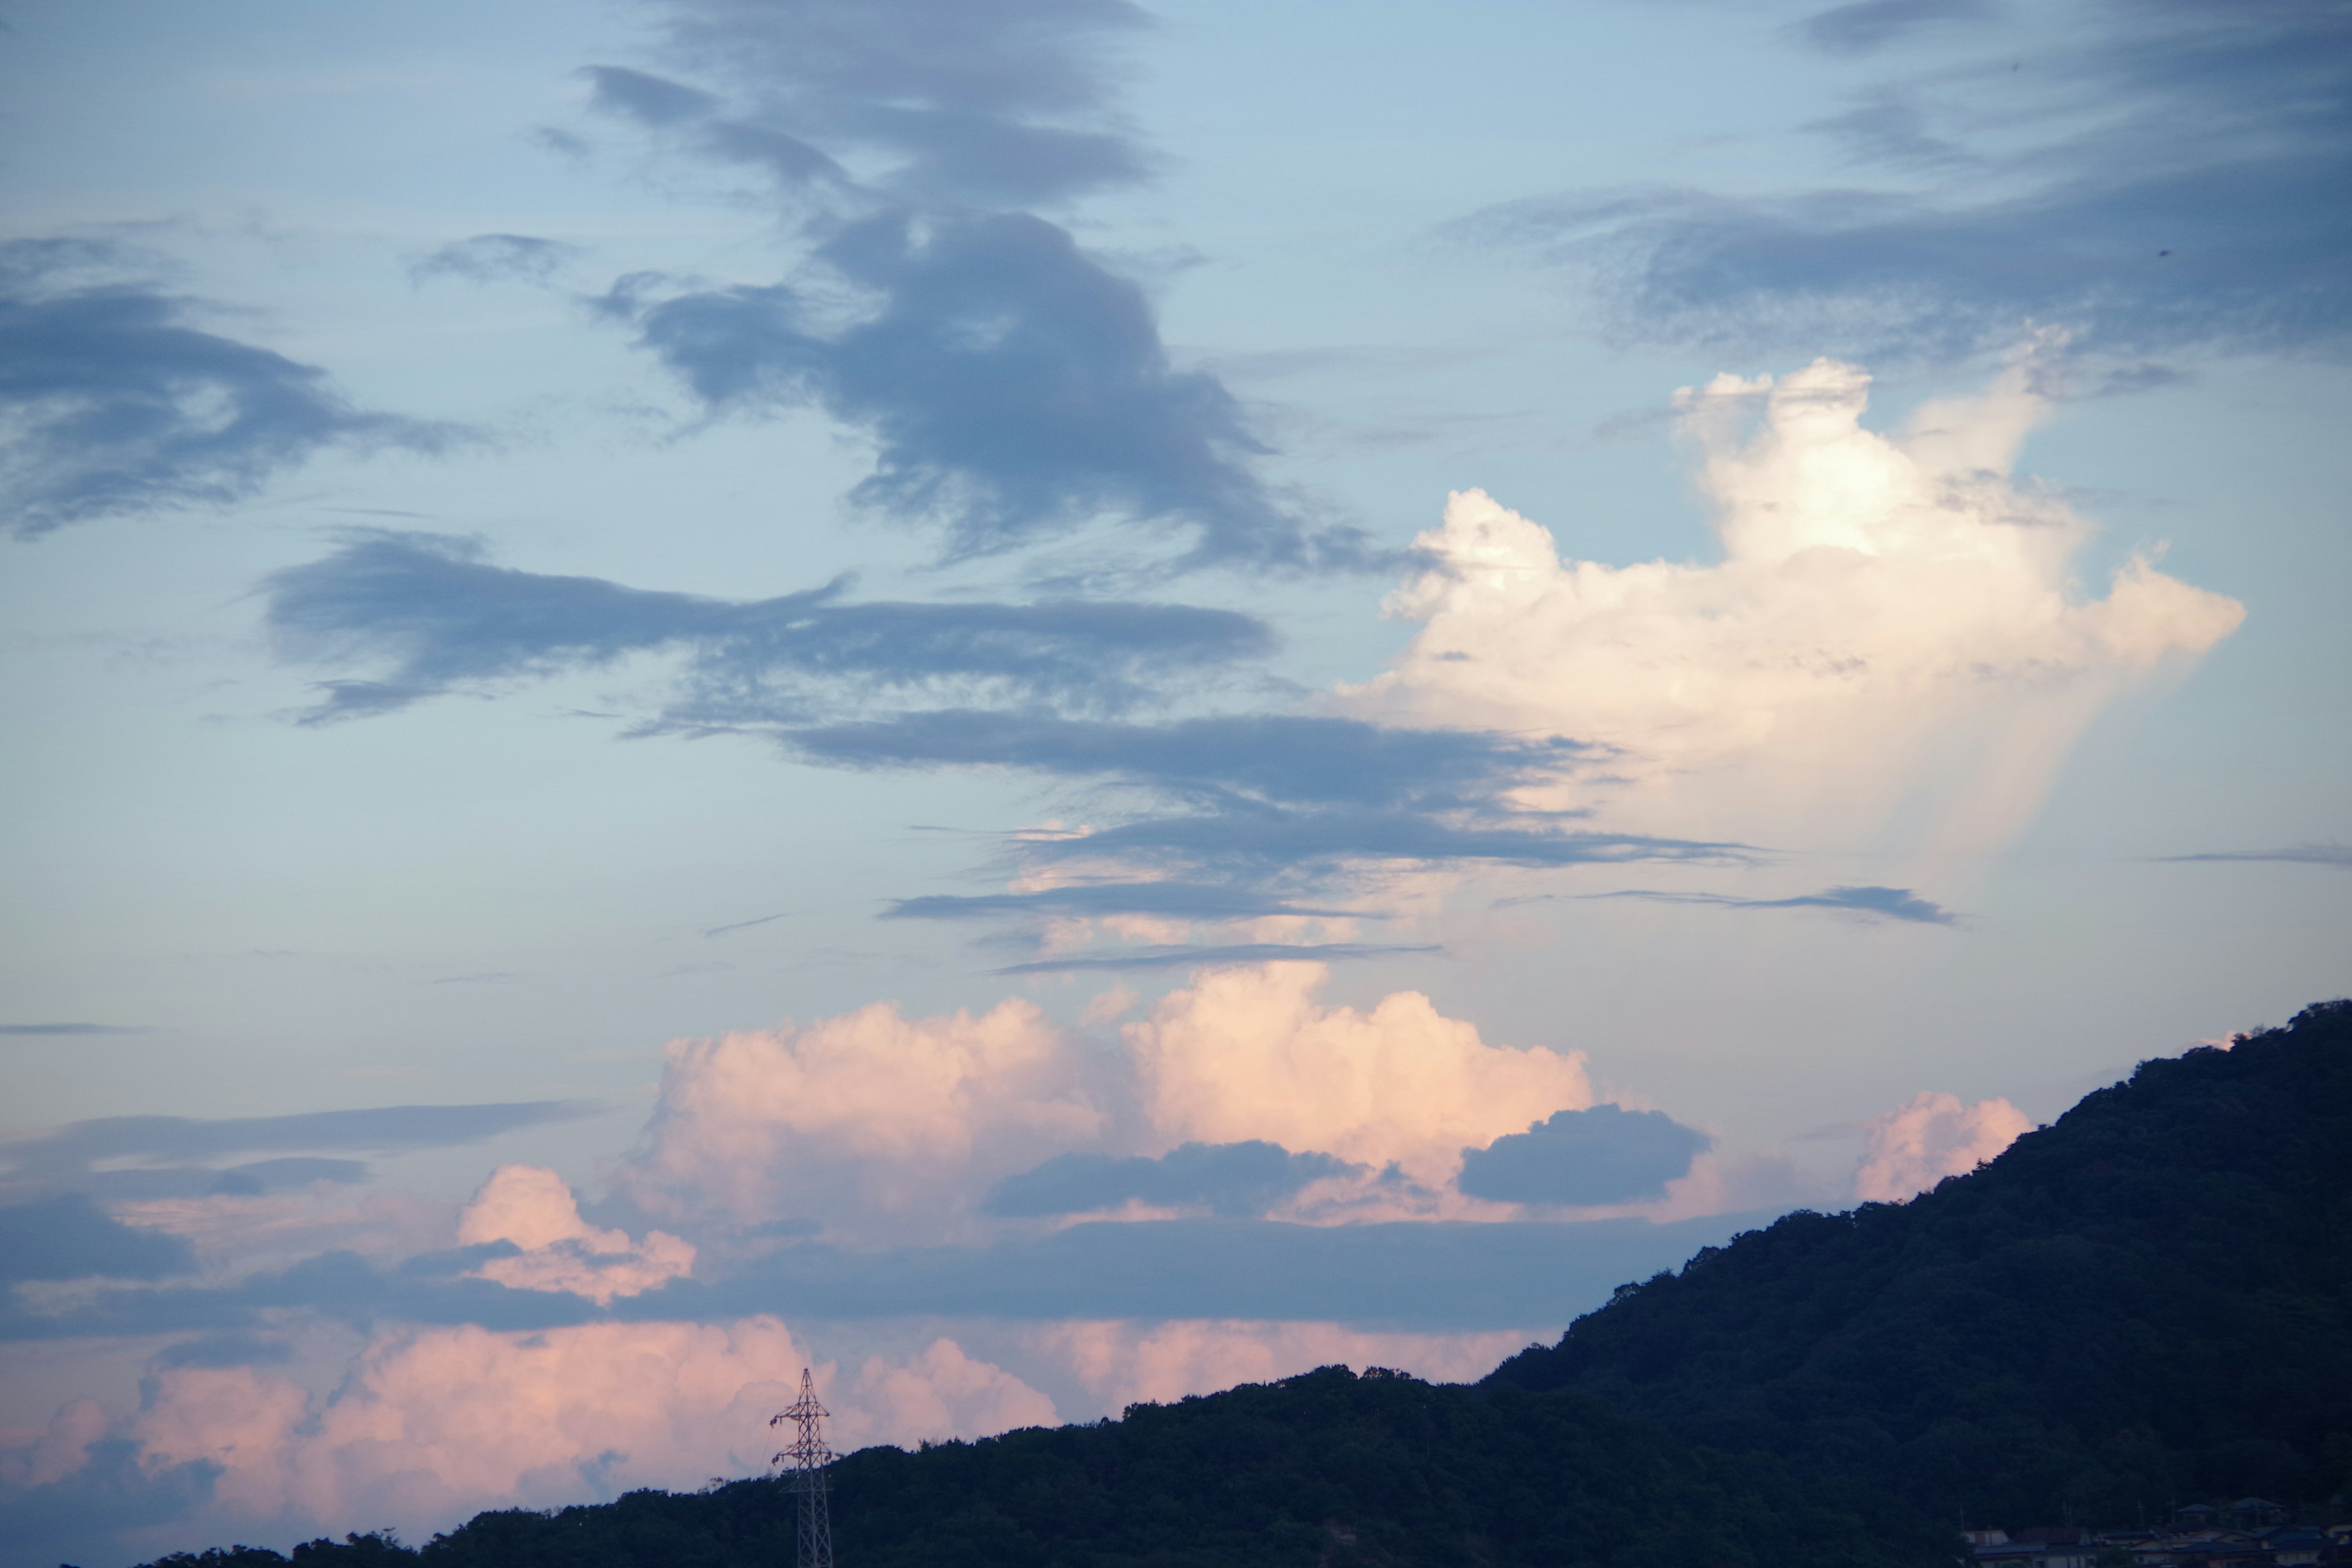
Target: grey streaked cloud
<point x="2338" y="855"/>
<point x="1008" y="103"/>
<point x="68" y="1236"/>
<point x="1871" y="23"/>
<point x="136" y="1157"/>
<point x="114" y="402"/>
<point x="1606" y="1154"/>
<point x="1213" y="954"/>
<point x="1874" y="902"/>
<point x="487" y="257"/>
<point x="1289" y="757"/>
<point x="1430" y="1276"/>
<point x="428" y="613"/>
<point x="1183" y="900"/>
<point x="1254" y="840"/>
<point x="2165" y="177"/>
<point x="1233" y="1179"/>
<point x="73" y="1029"/>
<point x="1015" y="390"/>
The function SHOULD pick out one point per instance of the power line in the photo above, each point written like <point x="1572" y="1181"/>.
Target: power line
<point x="808" y="1456"/>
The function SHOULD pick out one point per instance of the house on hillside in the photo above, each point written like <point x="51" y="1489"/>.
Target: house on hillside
<point x="2294" y="1546"/>
<point x="2043" y="1546"/>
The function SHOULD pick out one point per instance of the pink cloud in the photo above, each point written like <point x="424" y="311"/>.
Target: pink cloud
<point x="535" y="1209"/>
<point x="1932" y="1136"/>
<point x="1250" y="1053"/>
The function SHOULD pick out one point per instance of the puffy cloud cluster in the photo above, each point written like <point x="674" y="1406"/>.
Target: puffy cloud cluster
<point x="534" y="1209"/>
<point x="1250" y="1053"/>
<point x="872" y="1112"/>
<point x="429" y="1425"/>
<point x="1882" y="604"/>
<point x="1932" y="1136"/>
<point x="434" y="1425"/>
<point x="902" y="1124"/>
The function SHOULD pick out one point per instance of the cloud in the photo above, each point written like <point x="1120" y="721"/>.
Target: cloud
<point x="2153" y="177"/>
<point x="1932" y="1136"/>
<point x="161" y="1158"/>
<point x="487" y="257"/>
<point x="1296" y="758"/>
<point x="1250" y="1053"/>
<point x="431" y="1425"/>
<point x="1603" y="1155"/>
<point x="70" y="1237"/>
<point x="1233" y="1179"/>
<point x="1215" y="955"/>
<point x="871" y="1114"/>
<point x="1880" y="903"/>
<point x="1416" y="1276"/>
<point x="1192" y="901"/>
<point x="1014" y="389"/>
<point x="68" y="1154"/>
<point x="429" y="613"/>
<point x="1124" y="1363"/>
<point x="2338" y="855"/>
<point x="887" y="1127"/>
<point x="1003" y="103"/>
<point x="1871" y="23"/>
<point x="73" y="1029"/>
<point x="113" y="404"/>
<point x="1889" y="614"/>
<point x="1248" y="840"/>
<point x="553" y="1248"/>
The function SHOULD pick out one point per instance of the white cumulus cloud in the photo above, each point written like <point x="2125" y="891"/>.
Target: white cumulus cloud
<point x="1251" y="1053"/>
<point x="1887" y="610"/>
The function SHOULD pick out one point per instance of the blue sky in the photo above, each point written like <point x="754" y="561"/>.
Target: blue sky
<point x="1005" y="697"/>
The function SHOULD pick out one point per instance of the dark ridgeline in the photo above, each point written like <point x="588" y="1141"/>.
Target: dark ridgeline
<point x="2147" y="1304"/>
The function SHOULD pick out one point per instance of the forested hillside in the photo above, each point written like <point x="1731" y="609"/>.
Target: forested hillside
<point x="2149" y="1303"/>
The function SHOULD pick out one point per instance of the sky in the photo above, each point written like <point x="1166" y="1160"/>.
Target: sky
<point x="1048" y="704"/>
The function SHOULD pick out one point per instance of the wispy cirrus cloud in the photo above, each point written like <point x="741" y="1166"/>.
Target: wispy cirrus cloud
<point x="137" y="1157"/>
<point x="1015" y="389"/>
<point x="2161" y="180"/>
<point x="487" y="258"/>
<point x="1205" y="954"/>
<point x="2337" y="854"/>
<point x="113" y="401"/>
<point x="1871" y="902"/>
<point x="428" y="613"/>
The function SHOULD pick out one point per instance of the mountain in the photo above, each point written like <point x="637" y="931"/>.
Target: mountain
<point x="2149" y="1303"/>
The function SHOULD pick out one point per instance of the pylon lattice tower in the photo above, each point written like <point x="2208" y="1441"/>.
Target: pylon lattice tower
<point x="807" y="1456"/>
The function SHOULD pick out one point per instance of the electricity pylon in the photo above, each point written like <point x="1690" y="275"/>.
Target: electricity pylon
<point x="808" y="1456"/>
